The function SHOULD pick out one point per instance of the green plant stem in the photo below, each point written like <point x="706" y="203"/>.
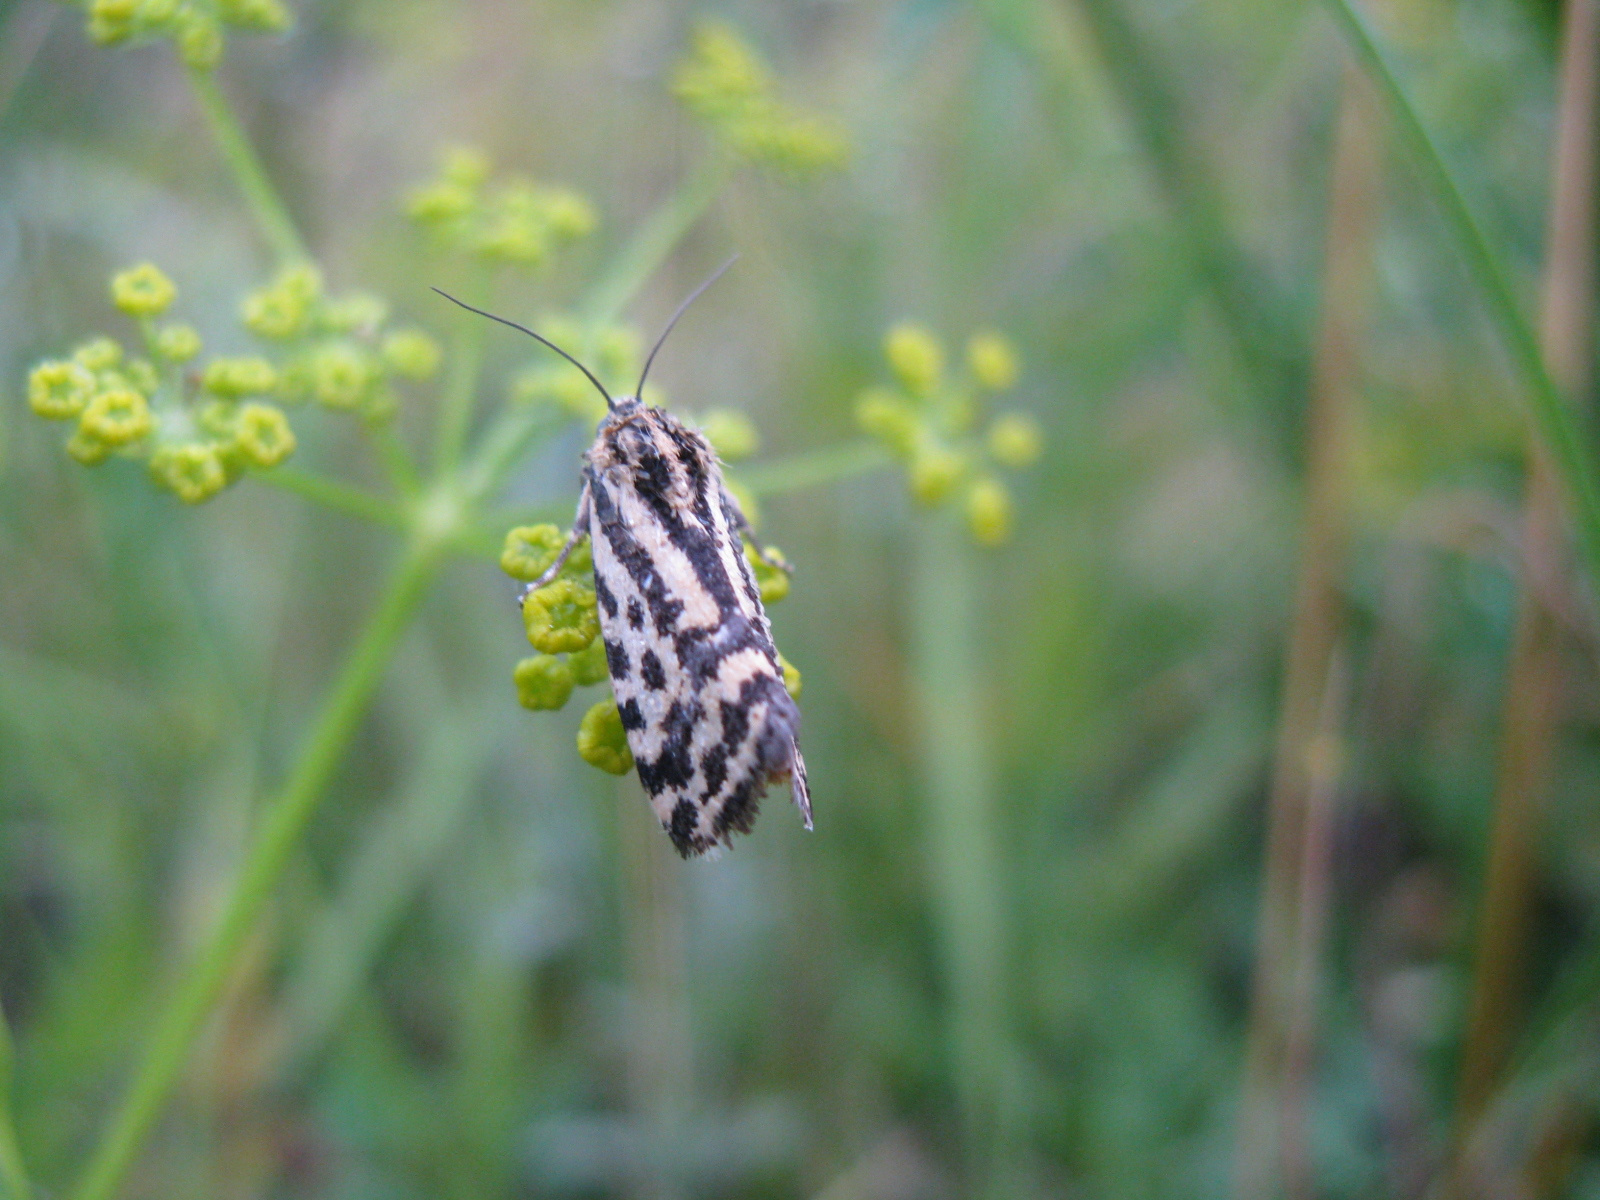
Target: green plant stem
<point x="272" y="218"/>
<point x="396" y="461"/>
<point x="335" y="495"/>
<point x="13" y="1173"/>
<point x="654" y="241"/>
<point x="460" y="396"/>
<point x="1554" y="420"/>
<point x="964" y="857"/>
<point x="185" y="1014"/>
<point x="813" y="468"/>
<point x="1251" y="312"/>
<point x="502" y="447"/>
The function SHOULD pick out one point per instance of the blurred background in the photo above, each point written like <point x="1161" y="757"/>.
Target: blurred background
<point x="1229" y="830"/>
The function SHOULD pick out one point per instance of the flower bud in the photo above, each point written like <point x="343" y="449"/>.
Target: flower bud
<point x="530" y="549"/>
<point x="1015" y="440"/>
<point x="262" y="16"/>
<point x="86" y="448"/>
<point x="989" y="511"/>
<point x="935" y="471"/>
<point x="772" y="581"/>
<point x="561" y="616"/>
<point x="543" y="682"/>
<point x="916" y="358"/>
<point x="263" y="435"/>
<point x="116" y="417"/>
<point x="602" y="742"/>
<point x="590" y="666"/>
<point x="192" y="471"/>
<point x="112" y="21"/>
<point x="59" y="390"/>
<point x="791" y="676"/>
<point x="410" y="353"/>
<point x="142" y="291"/>
<point x="177" y="343"/>
<point x="98" y="354"/>
<point x="199" y="41"/>
<point x="992" y="361"/>
<point x="341" y="375"/>
<point x="235" y="377"/>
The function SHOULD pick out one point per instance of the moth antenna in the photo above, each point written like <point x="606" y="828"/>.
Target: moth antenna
<point x="692" y="297"/>
<point x="539" y="337"/>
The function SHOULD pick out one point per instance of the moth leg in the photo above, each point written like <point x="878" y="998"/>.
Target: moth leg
<point x="742" y="524"/>
<point x="580" y="527"/>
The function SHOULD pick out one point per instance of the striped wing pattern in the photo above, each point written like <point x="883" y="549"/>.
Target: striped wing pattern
<point x="690" y="651"/>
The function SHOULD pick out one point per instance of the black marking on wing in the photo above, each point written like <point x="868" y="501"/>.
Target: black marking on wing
<point x="701" y="650"/>
<point x="635" y="614"/>
<point x="603" y="594"/>
<point x="698" y="541"/>
<point x="635" y="559"/>
<point x="632" y="718"/>
<point x="673" y="767"/>
<point x="617" y="660"/>
<point x="650" y="671"/>
<point x="681" y="828"/>
<point x="738" y="812"/>
<point x="714" y="769"/>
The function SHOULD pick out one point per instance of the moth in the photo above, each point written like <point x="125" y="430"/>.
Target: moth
<point x="688" y="645"/>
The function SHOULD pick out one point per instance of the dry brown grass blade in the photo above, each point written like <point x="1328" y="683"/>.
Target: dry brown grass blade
<point x="1266" y="1132"/>
<point x="1533" y="678"/>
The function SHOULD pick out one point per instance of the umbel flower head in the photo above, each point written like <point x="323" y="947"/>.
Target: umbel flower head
<point x="724" y="83"/>
<point x="201" y="426"/>
<point x="513" y="220"/>
<point x="930" y="420"/>
<point x="195" y="27"/>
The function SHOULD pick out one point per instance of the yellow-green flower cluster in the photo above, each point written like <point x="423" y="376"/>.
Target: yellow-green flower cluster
<point x="930" y="420"/>
<point x="340" y="354"/>
<point x="195" y="26"/>
<point x="511" y="221"/>
<point x="197" y="429"/>
<point x="614" y="355"/>
<point x="562" y="622"/>
<point x="725" y="83"/>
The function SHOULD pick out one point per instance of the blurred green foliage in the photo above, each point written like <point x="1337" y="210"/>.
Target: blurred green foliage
<point x="1015" y="957"/>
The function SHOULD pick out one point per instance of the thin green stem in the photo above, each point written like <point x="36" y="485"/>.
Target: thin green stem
<point x="333" y="494"/>
<point x="461" y="387"/>
<point x="185" y="1014"/>
<point x="654" y="242"/>
<point x="965" y="860"/>
<point x="13" y="1173"/>
<point x="479" y="543"/>
<point x="396" y="461"/>
<point x="518" y="428"/>
<point x="268" y="209"/>
<point x="1554" y="420"/>
<point x="813" y="468"/>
